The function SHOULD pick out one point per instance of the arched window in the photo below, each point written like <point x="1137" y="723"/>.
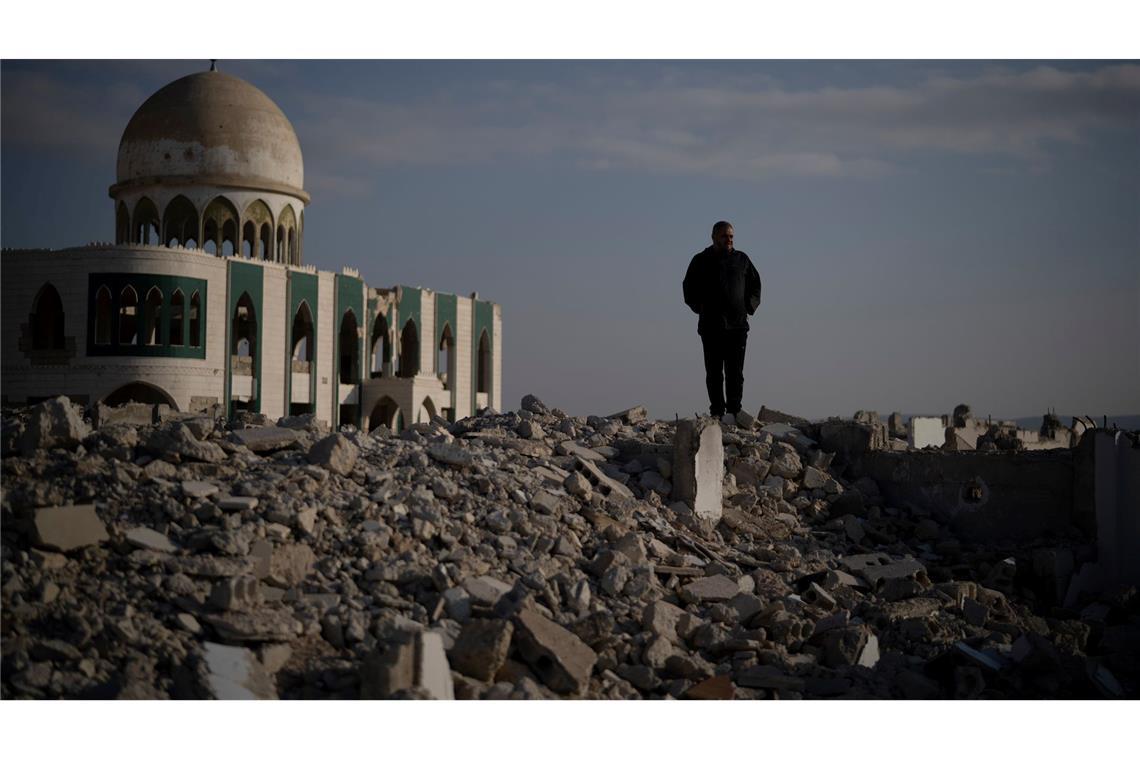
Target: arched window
<point x="229" y="238"/>
<point x="245" y="334"/>
<point x="128" y="317"/>
<point x="384" y="414"/>
<point x="484" y="369"/>
<point x="426" y="411"/>
<point x="47" y="319"/>
<point x="292" y="247"/>
<point x="152" y="318"/>
<point x="145" y="223"/>
<point x="445" y="356"/>
<point x="381" y="346"/>
<point x="210" y="237"/>
<point x="349" y="349"/>
<point x="263" y="241"/>
<point x="302" y="348"/>
<point x="248" y="232"/>
<point x="409" y="350"/>
<point x="180" y="223"/>
<point x="177" y="314"/>
<point x="280" y="254"/>
<point x="195" y="320"/>
<point x="103" y="316"/>
<point x="122" y="224"/>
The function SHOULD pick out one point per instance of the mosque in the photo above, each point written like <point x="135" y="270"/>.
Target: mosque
<point x="204" y="298"/>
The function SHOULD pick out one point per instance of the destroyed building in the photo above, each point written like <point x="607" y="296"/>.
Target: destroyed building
<point x="203" y="299"/>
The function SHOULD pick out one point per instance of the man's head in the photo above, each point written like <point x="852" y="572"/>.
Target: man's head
<point x="722" y="237"/>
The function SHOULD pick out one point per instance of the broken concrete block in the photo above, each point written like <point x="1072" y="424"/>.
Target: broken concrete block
<point x="698" y="466"/>
<point x="335" y="453"/>
<point x="290" y="564"/>
<point x="457" y="604"/>
<point x="661" y="618"/>
<point x="486" y="590"/>
<point x="433" y="672"/>
<point x="715" y="588"/>
<point x="198" y="489"/>
<point x="481" y="648"/>
<point x="265" y="440"/>
<point x="55" y="423"/>
<point x="67" y="528"/>
<point x="631" y="416"/>
<point x="235" y="673"/>
<point x="876" y="568"/>
<point x="385" y="673"/>
<point x="814" y="594"/>
<point x="557" y="656"/>
<point x="717" y="687"/>
<point x="603" y="482"/>
<point x="237" y="593"/>
<point x="146" y="538"/>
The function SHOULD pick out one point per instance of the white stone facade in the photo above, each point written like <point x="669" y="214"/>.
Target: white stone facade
<point x="193" y="328"/>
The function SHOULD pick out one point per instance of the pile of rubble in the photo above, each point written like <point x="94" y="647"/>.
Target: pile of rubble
<point x="522" y="555"/>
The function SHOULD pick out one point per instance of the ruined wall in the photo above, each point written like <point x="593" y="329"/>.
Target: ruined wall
<point x="985" y="496"/>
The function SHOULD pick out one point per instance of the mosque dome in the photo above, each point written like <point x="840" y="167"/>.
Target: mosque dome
<point x="211" y="128"/>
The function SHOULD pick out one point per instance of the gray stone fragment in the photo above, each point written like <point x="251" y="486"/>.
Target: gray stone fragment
<point x="146" y="538"/>
<point x="290" y="565"/>
<point x="198" y="489"/>
<point x="534" y="405"/>
<point x="67" y="528"/>
<point x="235" y="673"/>
<point x="661" y="618"/>
<point x="265" y="440"/>
<point x="237" y="503"/>
<point x="485" y="589"/>
<point x="451" y="454"/>
<point x="177" y="439"/>
<point x="237" y="593"/>
<point x="714" y="588"/>
<point x="481" y="648"/>
<point x="385" y="673"/>
<point x="256" y="625"/>
<point x="698" y="466"/>
<point x="457" y="603"/>
<point x="54" y="423"/>
<point x="335" y="453"/>
<point x="433" y="672"/>
<point x="557" y="656"/>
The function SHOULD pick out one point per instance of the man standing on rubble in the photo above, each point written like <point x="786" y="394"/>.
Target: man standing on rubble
<point x="723" y="287"/>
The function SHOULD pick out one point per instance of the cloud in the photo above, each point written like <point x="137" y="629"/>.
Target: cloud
<point x="670" y="118"/>
<point x="736" y="127"/>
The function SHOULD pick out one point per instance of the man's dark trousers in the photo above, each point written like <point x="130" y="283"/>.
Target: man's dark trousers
<point x="724" y="366"/>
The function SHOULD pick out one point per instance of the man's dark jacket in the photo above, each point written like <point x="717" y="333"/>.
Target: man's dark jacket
<point x="724" y="288"/>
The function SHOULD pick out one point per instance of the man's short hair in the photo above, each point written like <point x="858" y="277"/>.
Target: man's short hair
<point x="721" y="226"/>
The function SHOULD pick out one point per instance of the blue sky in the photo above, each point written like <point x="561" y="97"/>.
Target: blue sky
<point x="928" y="233"/>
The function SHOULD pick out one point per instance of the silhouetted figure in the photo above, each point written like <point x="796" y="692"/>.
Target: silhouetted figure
<point x="723" y="287"/>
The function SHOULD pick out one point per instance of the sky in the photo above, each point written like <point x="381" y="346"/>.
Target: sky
<point x="927" y="233"/>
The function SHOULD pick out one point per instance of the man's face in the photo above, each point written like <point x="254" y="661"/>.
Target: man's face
<point x="722" y="240"/>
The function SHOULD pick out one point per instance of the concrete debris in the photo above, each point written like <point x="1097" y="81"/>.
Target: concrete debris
<point x="235" y="673"/>
<point x="481" y="648"/>
<point x="525" y="555"/>
<point x="146" y="538"/>
<point x="265" y="440"/>
<point x="555" y="654"/>
<point x="698" y="466"/>
<point x="67" y="528"/>
<point x="335" y="453"/>
<point x="55" y="423"/>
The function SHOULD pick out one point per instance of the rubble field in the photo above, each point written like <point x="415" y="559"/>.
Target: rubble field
<point x="527" y="555"/>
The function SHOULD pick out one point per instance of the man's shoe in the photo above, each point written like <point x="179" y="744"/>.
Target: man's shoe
<point x="728" y="420"/>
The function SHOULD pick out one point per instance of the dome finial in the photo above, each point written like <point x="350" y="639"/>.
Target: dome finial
<point x="213" y="64"/>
